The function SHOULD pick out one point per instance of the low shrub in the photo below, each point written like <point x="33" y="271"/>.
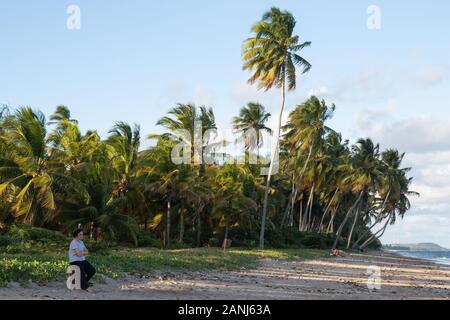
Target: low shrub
<point x="148" y="239"/>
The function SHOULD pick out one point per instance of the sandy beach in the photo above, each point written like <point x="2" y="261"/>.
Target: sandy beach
<point x="343" y="277"/>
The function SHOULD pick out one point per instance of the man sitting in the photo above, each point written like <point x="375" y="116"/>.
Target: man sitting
<point x="77" y="257"/>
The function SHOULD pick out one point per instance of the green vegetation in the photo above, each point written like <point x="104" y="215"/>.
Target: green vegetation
<point x="40" y="256"/>
<point x="327" y="192"/>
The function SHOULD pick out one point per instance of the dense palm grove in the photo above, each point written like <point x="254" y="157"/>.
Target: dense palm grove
<point x="53" y="175"/>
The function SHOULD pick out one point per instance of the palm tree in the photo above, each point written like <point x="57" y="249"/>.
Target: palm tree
<point x="250" y="124"/>
<point x="61" y="116"/>
<point x="336" y="154"/>
<point x="125" y="141"/>
<point x="182" y="123"/>
<point x="172" y="186"/>
<point x="232" y="205"/>
<point x="99" y="208"/>
<point x="394" y="191"/>
<point x="26" y="170"/>
<point x="305" y="133"/>
<point x="70" y="150"/>
<point x="363" y="175"/>
<point x="271" y="55"/>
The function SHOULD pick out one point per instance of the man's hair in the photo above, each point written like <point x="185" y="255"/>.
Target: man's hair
<point x="77" y="232"/>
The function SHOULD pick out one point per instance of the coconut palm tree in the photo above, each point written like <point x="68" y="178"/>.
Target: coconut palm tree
<point x="363" y="175"/>
<point x="172" y="186"/>
<point x="271" y="54"/>
<point x="100" y="208"/>
<point x="394" y="192"/>
<point x="305" y="134"/>
<point x="250" y="124"/>
<point x="125" y="142"/>
<point x="189" y="125"/>
<point x="26" y="169"/>
<point x="231" y="204"/>
<point x="70" y="150"/>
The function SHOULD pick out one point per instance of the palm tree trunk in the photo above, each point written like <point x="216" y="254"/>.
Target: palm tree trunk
<point x="199" y="229"/>
<point x="181" y="227"/>
<point x="225" y="239"/>
<point x="327" y="209"/>
<point x="341" y="227"/>
<point x="289" y="206"/>
<point x="168" y="224"/>
<point x="299" y="180"/>
<point x="269" y="176"/>
<point x="375" y="235"/>
<point x="379" y="218"/>
<point x="353" y="226"/>
<point x="257" y="146"/>
<point x="300" y="216"/>
<point x="310" y="208"/>
<point x="307" y="217"/>
<point x="330" y="227"/>
<point x="356" y="243"/>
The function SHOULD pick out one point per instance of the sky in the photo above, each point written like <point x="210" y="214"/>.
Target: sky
<point x="134" y="60"/>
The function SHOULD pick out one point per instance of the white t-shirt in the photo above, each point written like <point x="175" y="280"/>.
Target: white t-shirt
<point x="76" y="244"/>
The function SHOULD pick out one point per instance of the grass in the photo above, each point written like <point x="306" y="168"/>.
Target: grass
<point x="41" y="265"/>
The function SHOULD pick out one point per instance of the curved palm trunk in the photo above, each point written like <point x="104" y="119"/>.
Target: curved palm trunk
<point x="269" y="176"/>
<point x="376" y="235"/>
<point x="341" y="227"/>
<point x="378" y="220"/>
<point x="330" y="228"/>
<point x="356" y="243"/>
<point x="353" y="226"/>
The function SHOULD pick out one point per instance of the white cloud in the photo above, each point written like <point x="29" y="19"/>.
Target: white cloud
<point x="426" y="141"/>
<point x="368" y="85"/>
<point x="432" y="76"/>
<point x="419" y="133"/>
<point x="420" y="228"/>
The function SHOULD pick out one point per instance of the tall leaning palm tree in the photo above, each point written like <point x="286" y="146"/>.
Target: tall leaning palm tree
<point x="271" y="56"/>
<point x="250" y="124"/>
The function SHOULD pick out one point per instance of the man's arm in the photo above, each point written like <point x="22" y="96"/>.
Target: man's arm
<point x="85" y="250"/>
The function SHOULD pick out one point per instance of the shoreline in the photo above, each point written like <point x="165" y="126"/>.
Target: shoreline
<point x="343" y="277"/>
<point x="406" y="255"/>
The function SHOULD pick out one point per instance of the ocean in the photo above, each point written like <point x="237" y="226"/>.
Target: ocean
<point x="441" y="257"/>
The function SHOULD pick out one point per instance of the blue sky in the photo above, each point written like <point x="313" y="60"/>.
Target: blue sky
<point x="133" y="60"/>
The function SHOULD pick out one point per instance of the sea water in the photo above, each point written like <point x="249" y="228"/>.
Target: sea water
<point x="441" y="257"/>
